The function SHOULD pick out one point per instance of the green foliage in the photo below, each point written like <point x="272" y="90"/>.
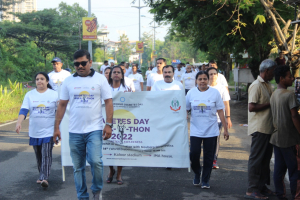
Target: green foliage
<point x="124" y="49"/>
<point x="260" y="18"/>
<point x="10" y="101"/>
<point x="99" y="55"/>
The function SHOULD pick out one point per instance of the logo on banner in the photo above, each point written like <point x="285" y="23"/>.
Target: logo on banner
<point x="175" y="105"/>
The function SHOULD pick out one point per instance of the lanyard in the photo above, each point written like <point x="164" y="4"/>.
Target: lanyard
<point x="118" y="88"/>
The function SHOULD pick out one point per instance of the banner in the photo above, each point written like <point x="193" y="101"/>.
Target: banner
<point x="89" y="28"/>
<point x="139" y="47"/>
<point x="149" y="130"/>
<point x="153" y="54"/>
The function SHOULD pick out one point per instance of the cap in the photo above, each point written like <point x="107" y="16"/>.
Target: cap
<point x="56" y="59"/>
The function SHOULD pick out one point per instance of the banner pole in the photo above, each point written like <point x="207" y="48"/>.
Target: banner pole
<point x="183" y="83"/>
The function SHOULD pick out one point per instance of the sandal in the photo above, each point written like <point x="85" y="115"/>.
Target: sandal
<point x="120" y="182"/>
<point x="109" y="179"/>
<point x="44" y="184"/>
<point x="39" y="181"/>
<point x="255" y="195"/>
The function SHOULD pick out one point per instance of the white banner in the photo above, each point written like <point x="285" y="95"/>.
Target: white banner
<point x="149" y="130"/>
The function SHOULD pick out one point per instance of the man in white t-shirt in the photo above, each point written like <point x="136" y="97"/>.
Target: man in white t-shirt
<point x="84" y="91"/>
<point x="58" y="75"/>
<point x="128" y="70"/>
<point x="127" y="80"/>
<point x="178" y="73"/>
<point x="137" y="79"/>
<point x="153" y="77"/>
<point x="221" y="78"/>
<point x="154" y="70"/>
<point x="168" y="83"/>
<point x="103" y="67"/>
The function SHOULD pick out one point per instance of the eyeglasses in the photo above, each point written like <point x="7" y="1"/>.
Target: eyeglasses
<point x="83" y="63"/>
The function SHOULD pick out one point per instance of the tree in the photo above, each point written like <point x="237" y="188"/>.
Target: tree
<point x="124" y="49"/>
<point x="212" y="27"/>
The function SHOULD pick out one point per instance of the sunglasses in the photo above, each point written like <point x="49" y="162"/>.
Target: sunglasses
<point x="83" y="63"/>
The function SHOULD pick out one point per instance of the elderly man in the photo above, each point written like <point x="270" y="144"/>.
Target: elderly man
<point x="260" y="127"/>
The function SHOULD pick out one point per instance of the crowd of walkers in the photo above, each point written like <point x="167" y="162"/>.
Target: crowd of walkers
<point x="273" y="122"/>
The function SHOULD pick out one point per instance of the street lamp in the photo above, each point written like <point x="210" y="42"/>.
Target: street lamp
<point x="139" y="7"/>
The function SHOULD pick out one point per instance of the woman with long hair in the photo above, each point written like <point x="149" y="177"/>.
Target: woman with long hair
<point x="117" y="83"/>
<point x="204" y="102"/>
<point x="41" y="103"/>
<point x="106" y="72"/>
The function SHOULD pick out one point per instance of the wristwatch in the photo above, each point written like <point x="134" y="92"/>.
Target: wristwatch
<point x="109" y="124"/>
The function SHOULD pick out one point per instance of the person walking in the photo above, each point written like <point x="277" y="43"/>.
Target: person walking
<point x="286" y="138"/>
<point x="168" y="83"/>
<point x="204" y="102"/>
<point x="41" y="103"/>
<point x="260" y="127"/>
<point x="189" y="78"/>
<point x="178" y="72"/>
<point x="137" y="79"/>
<point x="148" y="72"/>
<point x="117" y="84"/>
<point x="213" y="77"/>
<point x="158" y="75"/>
<point x="58" y="75"/>
<point x="84" y="90"/>
<point x="103" y="67"/>
<point x="127" y="80"/>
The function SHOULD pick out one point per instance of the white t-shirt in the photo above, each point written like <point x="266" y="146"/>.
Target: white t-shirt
<point x="84" y="95"/>
<point x="222" y="80"/>
<point x="137" y="79"/>
<point x="128" y="71"/>
<point x="42" y="107"/>
<point x="121" y="89"/>
<point x="204" y="106"/>
<point x="162" y="85"/>
<point x="189" y="80"/>
<point x="57" y="78"/>
<point x="154" y="70"/>
<point x="129" y="83"/>
<point x="224" y="95"/>
<point x="148" y="73"/>
<point x="153" y="77"/>
<point x="103" y="67"/>
<point x="178" y="74"/>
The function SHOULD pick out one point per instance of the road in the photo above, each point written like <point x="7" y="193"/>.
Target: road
<point x="19" y="172"/>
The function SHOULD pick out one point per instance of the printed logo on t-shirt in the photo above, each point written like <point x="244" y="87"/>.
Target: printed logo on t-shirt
<point x="84" y="97"/>
<point x="41" y="109"/>
<point x="202" y="108"/>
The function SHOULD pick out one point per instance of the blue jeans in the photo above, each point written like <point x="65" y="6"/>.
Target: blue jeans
<point x="87" y="146"/>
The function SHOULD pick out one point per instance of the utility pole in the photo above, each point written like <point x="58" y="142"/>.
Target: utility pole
<point x="139" y="7"/>
<point x="154" y="27"/>
<point x="90" y="48"/>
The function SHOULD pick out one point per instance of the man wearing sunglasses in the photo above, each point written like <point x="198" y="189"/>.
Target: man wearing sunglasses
<point x="58" y="75"/>
<point x="84" y="90"/>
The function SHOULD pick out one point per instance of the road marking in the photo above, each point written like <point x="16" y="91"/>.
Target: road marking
<point x="11" y="122"/>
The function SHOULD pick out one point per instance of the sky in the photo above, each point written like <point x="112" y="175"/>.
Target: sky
<point x="118" y="15"/>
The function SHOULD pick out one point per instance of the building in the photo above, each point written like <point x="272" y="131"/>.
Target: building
<point x="23" y="7"/>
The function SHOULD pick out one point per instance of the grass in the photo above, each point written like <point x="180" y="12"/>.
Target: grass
<point x="11" y="99"/>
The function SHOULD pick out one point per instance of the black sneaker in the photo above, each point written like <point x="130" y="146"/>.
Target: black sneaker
<point x="196" y="180"/>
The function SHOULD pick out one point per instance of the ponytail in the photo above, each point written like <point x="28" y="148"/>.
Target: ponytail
<point x="49" y="86"/>
<point x="47" y="78"/>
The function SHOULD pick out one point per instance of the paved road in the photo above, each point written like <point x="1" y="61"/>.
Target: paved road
<point x="18" y="172"/>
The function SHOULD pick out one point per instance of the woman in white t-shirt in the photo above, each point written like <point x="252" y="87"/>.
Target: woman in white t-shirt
<point x="189" y="78"/>
<point x="117" y="83"/>
<point x="137" y="79"/>
<point x="213" y="78"/>
<point x="41" y="103"/>
<point x="204" y="102"/>
<point x="107" y="72"/>
<point x="149" y="71"/>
